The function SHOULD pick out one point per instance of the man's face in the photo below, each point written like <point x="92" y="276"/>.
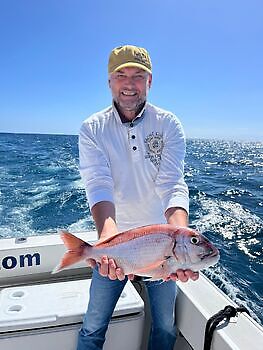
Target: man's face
<point x="129" y="87"/>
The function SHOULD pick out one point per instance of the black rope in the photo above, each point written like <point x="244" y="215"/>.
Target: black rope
<point x="225" y="314"/>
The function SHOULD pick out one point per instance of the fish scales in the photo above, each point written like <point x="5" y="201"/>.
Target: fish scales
<point x="136" y="253"/>
<point x="153" y="250"/>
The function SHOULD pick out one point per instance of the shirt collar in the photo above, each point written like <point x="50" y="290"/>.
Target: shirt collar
<point x="135" y="120"/>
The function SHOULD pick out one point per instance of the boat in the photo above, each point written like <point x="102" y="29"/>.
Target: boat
<point x="44" y="311"/>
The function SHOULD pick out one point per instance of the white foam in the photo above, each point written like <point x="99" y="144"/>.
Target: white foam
<point x="82" y="225"/>
<point x="239" y="227"/>
<point x="228" y="218"/>
<point x="224" y="280"/>
<point x="20" y="223"/>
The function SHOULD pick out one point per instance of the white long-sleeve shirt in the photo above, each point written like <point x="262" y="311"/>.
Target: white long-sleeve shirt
<point x="137" y="165"/>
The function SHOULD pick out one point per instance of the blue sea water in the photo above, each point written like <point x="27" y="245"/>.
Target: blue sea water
<point x="41" y="191"/>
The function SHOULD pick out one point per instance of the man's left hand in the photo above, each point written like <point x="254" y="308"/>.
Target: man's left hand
<point x="184" y="275"/>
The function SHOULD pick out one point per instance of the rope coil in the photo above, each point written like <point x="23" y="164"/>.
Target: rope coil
<point x="225" y="314"/>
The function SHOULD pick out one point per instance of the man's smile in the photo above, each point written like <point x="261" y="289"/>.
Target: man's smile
<point x="128" y="93"/>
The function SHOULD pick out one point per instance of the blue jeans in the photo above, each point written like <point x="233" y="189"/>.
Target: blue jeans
<point x="104" y="295"/>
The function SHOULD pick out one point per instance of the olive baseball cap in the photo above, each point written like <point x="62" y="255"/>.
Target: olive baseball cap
<point x="129" y="56"/>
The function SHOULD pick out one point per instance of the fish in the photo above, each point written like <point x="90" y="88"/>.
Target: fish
<point x="155" y="251"/>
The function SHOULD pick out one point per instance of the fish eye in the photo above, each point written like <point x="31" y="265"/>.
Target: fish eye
<point x="194" y="240"/>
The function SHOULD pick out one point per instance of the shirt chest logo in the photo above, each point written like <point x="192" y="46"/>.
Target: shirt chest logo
<point x="154" y="148"/>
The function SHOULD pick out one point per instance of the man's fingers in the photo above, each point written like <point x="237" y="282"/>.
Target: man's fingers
<point x="131" y="276"/>
<point x="115" y="272"/>
<point x="194" y="275"/>
<point x="120" y="274"/>
<point x="182" y="276"/>
<point x="112" y="270"/>
<point x="104" y="267"/>
<point x="173" y="277"/>
<point x="108" y="268"/>
<point x="91" y="262"/>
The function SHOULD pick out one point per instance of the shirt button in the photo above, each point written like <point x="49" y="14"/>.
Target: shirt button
<point x="133" y="136"/>
<point x="134" y="148"/>
<point x="131" y="125"/>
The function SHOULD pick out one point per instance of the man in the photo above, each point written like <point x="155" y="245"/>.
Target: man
<point x="131" y="163"/>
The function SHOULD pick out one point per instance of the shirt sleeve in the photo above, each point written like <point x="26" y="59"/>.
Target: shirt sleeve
<point x="170" y="183"/>
<point x="94" y="168"/>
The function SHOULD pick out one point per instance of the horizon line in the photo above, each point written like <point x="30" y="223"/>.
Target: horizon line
<point x="216" y="138"/>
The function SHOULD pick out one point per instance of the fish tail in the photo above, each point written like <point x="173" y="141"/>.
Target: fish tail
<point x="74" y="253"/>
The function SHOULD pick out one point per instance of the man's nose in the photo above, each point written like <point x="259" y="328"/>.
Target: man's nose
<point x="129" y="81"/>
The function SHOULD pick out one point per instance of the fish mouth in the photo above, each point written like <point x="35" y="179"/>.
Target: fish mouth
<point x="211" y="254"/>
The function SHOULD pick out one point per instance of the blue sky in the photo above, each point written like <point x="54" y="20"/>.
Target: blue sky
<point x="207" y="62"/>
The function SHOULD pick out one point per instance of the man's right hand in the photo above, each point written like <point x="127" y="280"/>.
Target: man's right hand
<point x="108" y="268"/>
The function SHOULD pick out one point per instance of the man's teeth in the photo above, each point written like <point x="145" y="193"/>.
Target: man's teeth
<point x="128" y="93"/>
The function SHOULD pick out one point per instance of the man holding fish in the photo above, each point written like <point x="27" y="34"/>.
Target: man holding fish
<point x="132" y="164"/>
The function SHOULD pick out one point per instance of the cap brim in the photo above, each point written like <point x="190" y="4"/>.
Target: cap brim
<point x="131" y="64"/>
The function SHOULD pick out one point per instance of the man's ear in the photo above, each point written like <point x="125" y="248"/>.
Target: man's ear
<point x="150" y="81"/>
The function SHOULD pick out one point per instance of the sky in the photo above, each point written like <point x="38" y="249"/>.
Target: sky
<point x="207" y="58"/>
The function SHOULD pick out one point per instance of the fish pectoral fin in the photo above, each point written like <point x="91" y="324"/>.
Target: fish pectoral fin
<point x="150" y="267"/>
<point x="163" y="271"/>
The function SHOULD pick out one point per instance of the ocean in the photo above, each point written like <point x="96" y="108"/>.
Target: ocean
<point x="41" y="191"/>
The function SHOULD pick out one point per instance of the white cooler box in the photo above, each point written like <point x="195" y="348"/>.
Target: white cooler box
<point x="48" y="316"/>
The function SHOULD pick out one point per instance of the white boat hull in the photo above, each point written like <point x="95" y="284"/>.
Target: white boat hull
<point x="30" y="263"/>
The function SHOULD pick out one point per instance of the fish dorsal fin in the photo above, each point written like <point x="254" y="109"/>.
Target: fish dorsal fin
<point x="103" y="240"/>
<point x="126" y="236"/>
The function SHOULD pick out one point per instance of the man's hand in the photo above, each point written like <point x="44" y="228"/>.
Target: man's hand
<point x="184" y="275"/>
<point x="108" y="268"/>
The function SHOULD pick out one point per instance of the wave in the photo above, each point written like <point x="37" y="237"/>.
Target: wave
<point x="41" y="191"/>
<point x="224" y="278"/>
